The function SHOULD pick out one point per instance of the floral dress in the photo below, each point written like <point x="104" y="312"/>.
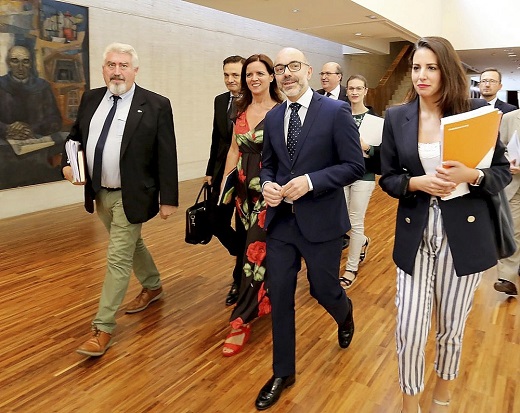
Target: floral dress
<point x="251" y="208"/>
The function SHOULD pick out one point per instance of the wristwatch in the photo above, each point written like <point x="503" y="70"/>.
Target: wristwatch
<point x="479" y="179"/>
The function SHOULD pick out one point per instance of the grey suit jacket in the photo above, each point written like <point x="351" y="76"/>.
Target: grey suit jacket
<point x="511" y="123"/>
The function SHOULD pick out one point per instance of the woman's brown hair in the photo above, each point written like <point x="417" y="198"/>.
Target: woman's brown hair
<point x="454" y="93"/>
<point x="246" y="96"/>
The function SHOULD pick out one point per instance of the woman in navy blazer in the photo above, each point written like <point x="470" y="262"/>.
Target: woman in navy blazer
<point x="439" y="266"/>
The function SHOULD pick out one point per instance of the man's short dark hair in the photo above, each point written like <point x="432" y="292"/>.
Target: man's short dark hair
<point x="233" y="59"/>
<point x="492" y="69"/>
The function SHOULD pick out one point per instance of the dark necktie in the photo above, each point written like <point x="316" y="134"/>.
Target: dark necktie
<point x="98" y="153"/>
<point x="295" y="127"/>
<point x="329" y="94"/>
<point x="231" y="112"/>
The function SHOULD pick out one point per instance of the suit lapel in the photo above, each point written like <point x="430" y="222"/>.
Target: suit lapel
<point x="410" y="136"/>
<point x="134" y="117"/>
<point x="90" y="109"/>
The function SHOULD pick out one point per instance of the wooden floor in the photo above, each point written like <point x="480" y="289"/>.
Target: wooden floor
<point x="168" y="358"/>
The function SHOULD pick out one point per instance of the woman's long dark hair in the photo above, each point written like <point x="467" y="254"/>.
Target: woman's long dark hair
<point x="246" y="96"/>
<point x="454" y="92"/>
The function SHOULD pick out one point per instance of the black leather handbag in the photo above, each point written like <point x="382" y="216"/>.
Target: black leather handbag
<point x="503" y="223"/>
<point x="198" y="227"/>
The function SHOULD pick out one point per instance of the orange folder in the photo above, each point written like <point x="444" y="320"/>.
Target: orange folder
<point x="471" y="136"/>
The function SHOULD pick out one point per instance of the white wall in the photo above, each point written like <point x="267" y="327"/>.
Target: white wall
<point x="181" y="47"/>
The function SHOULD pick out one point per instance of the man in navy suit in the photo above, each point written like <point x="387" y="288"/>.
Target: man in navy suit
<point x="128" y="138"/>
<point x="490" y="84"/>
<point x="220" y="215"/>
<point x="311" y="151"/>
<point x="330" y="78"/>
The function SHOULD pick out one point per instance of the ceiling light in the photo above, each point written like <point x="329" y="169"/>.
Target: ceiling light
<point x="372" y="17"/>
<point x="358" y="34"/>
<point x="512" y="55"/>
<point x="296" y="10"/>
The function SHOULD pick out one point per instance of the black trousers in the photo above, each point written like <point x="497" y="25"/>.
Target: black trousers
<point x="286" y="246"/>
<point x="233" y="239"/>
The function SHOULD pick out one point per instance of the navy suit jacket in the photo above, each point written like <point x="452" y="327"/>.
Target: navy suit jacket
<point x="329" y="151"/>
<point x="466" y="219"/>
<point x="148" y="158"/>
<point x="342" y="93"/>
<point x="504" y="106"/>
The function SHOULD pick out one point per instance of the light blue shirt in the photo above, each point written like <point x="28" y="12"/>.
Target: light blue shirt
<point x="110" y="172"/>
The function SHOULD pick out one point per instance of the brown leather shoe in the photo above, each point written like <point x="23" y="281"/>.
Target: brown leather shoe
<point x="96" y="345"/>
<point x="143" y="300"/>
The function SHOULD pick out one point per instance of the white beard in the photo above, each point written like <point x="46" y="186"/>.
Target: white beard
<point x="117" y="89"/>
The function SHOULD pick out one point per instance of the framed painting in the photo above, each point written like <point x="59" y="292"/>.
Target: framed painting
<point x="43" y="74"/>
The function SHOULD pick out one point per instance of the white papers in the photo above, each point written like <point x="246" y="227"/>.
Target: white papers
<point x="76" y="160"/>
<point x="371" y="129"/>
<point x="513" y="149"/>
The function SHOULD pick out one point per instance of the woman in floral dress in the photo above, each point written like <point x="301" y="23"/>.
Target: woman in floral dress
<point x="258" y="95"/>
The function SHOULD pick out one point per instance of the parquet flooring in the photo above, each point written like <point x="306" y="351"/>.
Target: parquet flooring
<point x="168" y="358"/>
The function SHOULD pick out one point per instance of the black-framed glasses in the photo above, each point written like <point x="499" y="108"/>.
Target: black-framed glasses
<point x="490" y="81"/>
<point x="293" y="66"/>
<point x="328" y="73"/>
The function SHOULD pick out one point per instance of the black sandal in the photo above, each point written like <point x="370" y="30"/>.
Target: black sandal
<point x="345" y="282"/>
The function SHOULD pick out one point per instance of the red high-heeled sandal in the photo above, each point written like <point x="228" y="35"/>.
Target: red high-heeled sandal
<point x="231" y="349"/>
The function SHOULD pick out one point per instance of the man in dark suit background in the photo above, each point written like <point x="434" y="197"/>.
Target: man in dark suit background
<point x="490" y="84"/>
<point x="311" y="150"/>
<point x="330" y="77"/>
<point x="220" y="216"/>
<point x="127" y="175"/>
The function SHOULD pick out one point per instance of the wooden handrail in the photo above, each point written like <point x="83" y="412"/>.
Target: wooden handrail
<point x="379" y="97"/>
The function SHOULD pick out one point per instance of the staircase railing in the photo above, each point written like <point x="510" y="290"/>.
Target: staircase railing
<point x="379" y="97"/>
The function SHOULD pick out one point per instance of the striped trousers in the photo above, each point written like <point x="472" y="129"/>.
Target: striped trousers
<point x="433" y="285"/>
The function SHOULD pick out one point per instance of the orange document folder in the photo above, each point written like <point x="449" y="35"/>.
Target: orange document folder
<point x="471" y="137"/>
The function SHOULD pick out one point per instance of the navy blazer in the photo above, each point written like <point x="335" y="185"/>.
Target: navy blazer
<point x="329" y="151"/>
<point x="342" y="93"/>
<point x="466" y="219"/>
<point x="148" y="158"/>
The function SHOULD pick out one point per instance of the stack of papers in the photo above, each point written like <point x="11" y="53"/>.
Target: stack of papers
<point x="371" y="129"/>
<point x="76" y="160"/>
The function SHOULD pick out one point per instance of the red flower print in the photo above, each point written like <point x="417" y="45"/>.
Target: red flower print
<point x="256" y="252"/>
<point x="241" y="176"/>
<point x="261" y="218"/>
<point x="264" y="304"/>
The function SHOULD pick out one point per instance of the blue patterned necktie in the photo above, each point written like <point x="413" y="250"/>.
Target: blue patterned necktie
<point x="295" y="127"/>
<point x="98" y="153"/>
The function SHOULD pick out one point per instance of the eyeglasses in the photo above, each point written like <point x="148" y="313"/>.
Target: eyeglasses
<point x="357" y="89"/>
<point x="328" y="73"/>
<point x="490" y="81"/>
<point x="293" y="66"/>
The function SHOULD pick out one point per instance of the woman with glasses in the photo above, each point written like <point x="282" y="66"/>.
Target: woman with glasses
<point x="358" y="194"/>
<point x="441" y="246"/>
<point x="259" y="94"/>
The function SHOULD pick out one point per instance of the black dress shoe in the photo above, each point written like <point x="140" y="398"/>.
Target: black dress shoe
<point x="505" y="286"/>
<point x="272" y="390"/>
<point x="346" y="241"/>
<point x="346" y="330"/>
<point x="232" y="296"/>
